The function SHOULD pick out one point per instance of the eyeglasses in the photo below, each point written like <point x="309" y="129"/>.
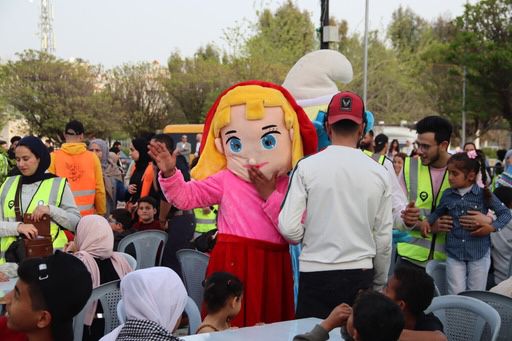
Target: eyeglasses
<point x="423" y="146"/>
<point x="95" y="150"/>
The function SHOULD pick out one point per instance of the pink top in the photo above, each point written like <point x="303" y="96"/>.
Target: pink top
<point x="242" y="212"/>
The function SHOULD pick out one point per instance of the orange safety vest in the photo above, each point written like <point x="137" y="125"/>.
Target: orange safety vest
<point x="147" y="179"/>
<point x="79" y="171"/>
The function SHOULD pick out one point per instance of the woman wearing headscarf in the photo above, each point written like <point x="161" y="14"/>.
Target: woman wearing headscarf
<point x="142" y="174"/>
<point x="154" y="299"/>
<point x="39" y="193"/>
<point x="112" y="175"/>
<point x="94" y="242"/>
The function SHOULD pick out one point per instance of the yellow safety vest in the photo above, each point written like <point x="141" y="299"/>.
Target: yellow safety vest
<point x="419" y="188"/>
<point x="376" y="156"/>
<point x="205" y="222"/>
<point x="49" y="192"/>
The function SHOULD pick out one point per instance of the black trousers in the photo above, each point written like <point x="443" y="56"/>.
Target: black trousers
<point x="320" y="292"/>
<point x="181" y="231"/>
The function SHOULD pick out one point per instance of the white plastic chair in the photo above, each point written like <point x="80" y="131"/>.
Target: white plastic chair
<point x="194" y="317"/>
<point x="108" y="295"/>
<point x="193" y="268"/>
<point x="464" y="318"/>
<point x="503" y="306"/>
<point x="437" y="270"/>
<point x="147" y="245"/>
<point x="130" y="259"/>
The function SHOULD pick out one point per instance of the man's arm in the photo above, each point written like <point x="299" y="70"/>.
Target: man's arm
<point x="293" y="207"/>
<point x="421" y="335"/>
<point x="382" y="236"/>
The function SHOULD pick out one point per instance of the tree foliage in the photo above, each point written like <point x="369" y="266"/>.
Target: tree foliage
<point x="48" y="92"/>
<point x="140" y="99"/>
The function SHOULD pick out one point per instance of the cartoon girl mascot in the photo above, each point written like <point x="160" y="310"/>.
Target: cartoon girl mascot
<point x="254" y="134"/>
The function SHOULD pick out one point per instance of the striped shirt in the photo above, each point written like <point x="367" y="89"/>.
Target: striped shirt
<point x="459" y="242"/>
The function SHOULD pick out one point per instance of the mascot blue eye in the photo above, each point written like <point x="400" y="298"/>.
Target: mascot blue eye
<point x="235" y="144"/>
<point x="269" y="141"/>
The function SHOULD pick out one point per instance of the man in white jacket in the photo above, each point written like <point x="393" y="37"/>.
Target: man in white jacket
<point x="346" y="232"/>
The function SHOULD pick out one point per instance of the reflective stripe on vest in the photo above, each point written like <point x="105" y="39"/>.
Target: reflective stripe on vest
<point x="49" y="192"/>
<point x="419" y="188"/>
<point x="376" y="156"/>
<point x="205" y="222"/>
<point x="79" y="171"/>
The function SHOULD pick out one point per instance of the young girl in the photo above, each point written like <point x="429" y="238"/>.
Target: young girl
<point x="223" y="299"/>
<point x="468" y="250"/>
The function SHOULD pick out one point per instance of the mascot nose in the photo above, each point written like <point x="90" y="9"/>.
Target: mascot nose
<point x="252" y="162"/>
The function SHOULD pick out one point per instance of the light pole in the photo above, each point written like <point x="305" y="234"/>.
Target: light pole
<point x="365" y="70"/>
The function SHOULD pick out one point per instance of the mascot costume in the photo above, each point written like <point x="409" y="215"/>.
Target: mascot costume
<point x="252" y="125"/>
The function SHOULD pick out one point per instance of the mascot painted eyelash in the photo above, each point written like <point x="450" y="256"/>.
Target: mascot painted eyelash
<point x="252" y="125"/>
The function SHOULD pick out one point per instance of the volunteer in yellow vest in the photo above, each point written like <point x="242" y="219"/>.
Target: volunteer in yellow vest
<point x="82" y="169"/>
<point x="424" y="180"/>
<point x="40" y="193"/>
<point x="206" y="219"/>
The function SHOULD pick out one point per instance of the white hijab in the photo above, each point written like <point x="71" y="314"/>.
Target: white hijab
<point x="156" y="294"/>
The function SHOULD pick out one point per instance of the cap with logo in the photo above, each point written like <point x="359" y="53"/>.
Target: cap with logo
<point x="345" y="105"/>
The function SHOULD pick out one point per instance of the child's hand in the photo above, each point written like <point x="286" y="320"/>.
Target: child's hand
<point x="483" y="231"/>
<point x="3" y="277"/>
<point x="337" y="318"/>
<point x="425" y="228"/>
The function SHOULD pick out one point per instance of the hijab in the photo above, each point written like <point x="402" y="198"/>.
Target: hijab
<point x="37" y="147"/>
<point x="153" y="294"/>
<point x="141" y="145"/>
<point x="507" y="166"/>
<point x="94" y="239"/>
<point x="104" y="151"/>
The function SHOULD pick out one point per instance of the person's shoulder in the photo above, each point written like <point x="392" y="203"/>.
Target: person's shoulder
<point x="428" y="322"/>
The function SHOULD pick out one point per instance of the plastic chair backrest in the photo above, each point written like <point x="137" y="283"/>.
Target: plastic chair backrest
<point x="121" y="316"/>
<point x="464" y="318"/>
<point x="129" y="258"/>
<point x="193" y="268"/>
<point x="148" y="244"/>
<point x="108" y="295"/>
<point x="503" y="306"/>
<point x="194" y="316"/>
<point x="510" y="268"/>
<point x="437" y="270"/>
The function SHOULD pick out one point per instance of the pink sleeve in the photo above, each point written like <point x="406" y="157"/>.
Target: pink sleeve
<point x="272" y="206"/>
<point x="192" y="194"/>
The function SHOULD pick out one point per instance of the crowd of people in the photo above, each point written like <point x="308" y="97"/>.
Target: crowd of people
<point x="260" y="178"/>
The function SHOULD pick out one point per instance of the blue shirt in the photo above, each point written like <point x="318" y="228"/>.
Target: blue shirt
<point x="459" y="242"/>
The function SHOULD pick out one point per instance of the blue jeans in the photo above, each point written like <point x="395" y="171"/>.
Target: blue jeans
<point x="467" y="275"/>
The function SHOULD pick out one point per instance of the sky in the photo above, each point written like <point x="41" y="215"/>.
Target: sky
<point x="113" y="32"/>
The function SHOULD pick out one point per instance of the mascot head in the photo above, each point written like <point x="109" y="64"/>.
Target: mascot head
<point x="254" y="124"/>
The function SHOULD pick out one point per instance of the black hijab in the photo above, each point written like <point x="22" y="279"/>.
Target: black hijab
<point x="141" y="145"/>
<point x="37" y="147"/>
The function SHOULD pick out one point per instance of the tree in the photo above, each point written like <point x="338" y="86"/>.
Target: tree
<point x="195" y="82"/>
<point x="283" y="36"/>
<point x="483" y="43"/>
<point x="48" y="92"/>
<point x="140" y="99"/>
<point x="406" y="30"/>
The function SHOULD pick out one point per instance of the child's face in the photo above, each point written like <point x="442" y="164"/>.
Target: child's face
<point x="21" y="316"/>
<point x="265" y="143"/>
<point x="458" y="179"/>
<point x="146" y="212"/>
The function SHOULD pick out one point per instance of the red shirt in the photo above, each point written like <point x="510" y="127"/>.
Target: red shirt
<point x="8" y="334"/>
<point x="154" y="225"/>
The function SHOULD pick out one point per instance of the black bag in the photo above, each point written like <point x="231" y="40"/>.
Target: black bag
<point x="16" y="251"/>
<point x="206" y="241"/>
